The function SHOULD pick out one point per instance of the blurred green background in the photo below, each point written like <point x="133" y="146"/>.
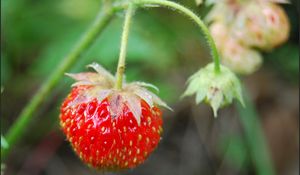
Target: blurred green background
<point x="165" y="48"/>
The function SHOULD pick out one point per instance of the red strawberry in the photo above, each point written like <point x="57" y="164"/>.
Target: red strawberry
<point x="111" y="129"/>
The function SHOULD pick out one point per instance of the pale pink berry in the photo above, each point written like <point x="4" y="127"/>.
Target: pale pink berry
<point x="261" y="25"/>
<point x="220" y="34"/>
<point x="239" y="58"/>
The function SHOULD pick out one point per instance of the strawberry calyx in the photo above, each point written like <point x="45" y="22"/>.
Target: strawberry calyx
<point x="101" y="86"/>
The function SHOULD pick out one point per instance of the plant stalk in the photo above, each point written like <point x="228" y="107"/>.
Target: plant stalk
<point x="123" y="49"/>
<point x="255" y="137"/>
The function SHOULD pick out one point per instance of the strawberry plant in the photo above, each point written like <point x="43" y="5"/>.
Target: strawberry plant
<point x="113" y="124"/>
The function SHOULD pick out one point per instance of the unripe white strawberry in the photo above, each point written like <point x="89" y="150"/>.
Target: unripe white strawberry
<point x="239" y="58"/>
<point x="220" y="34"/>
<point x="261" y="25"/>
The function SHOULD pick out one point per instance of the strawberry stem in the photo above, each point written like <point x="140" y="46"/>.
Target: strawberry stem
<point x="194" y="17"/>
<point x="123" y="49"/>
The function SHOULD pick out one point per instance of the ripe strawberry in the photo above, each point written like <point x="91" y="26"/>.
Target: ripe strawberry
<point x="111" y="129"/>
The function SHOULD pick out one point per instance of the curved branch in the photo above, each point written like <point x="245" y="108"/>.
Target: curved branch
<point x="194" y="17"/>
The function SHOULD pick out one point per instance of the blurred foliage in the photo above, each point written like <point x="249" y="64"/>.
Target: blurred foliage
<point x="36" y="35"/>
<point x="36" y="40"/>
<point x="235" y="149"/>
<point x="4" y="144"/>
<point x="286" y="60"/>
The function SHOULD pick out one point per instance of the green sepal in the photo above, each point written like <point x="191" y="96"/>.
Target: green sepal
<point x="215" y="88"/>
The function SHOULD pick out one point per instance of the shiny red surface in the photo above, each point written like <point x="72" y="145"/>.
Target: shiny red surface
<point x="110" y="143"/>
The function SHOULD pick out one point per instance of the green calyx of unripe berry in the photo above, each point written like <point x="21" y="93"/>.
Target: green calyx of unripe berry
<point x="215" y="88"/>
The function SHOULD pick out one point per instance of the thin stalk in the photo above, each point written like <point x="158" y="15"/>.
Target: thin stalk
<point x="123" y="49"/>
<point x="255" y="137"/>
<point x="20" y="125"/>
<point x="194" y="17"/>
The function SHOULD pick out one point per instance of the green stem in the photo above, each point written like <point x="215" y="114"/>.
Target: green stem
<point x="255" y="137"/>
<point x="20" y="125"/>
<point x="123" y="49"/>
<point x="194" y="17"/>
